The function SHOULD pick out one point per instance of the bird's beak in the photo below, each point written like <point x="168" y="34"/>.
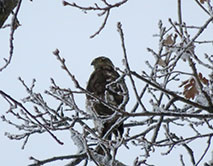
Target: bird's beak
<point x="92" y="63"/>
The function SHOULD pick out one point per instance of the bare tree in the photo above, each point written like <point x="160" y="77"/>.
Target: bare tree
<point x="171" y="99"/>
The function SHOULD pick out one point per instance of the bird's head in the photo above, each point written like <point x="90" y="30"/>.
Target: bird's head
<point x="102" y="62"/>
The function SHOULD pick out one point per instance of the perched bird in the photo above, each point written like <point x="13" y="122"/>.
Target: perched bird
<point x="106" y="84"/>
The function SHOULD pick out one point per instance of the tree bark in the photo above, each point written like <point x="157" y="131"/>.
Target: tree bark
<point x="6" y="7"/>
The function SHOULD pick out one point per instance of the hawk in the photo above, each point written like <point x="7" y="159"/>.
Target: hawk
<point x="108" y="87"/>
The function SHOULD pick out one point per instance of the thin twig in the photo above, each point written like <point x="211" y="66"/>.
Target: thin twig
<point x="209" y="109"/>
<point x="201" y="6"/>
<point x="13" y="28"/>
<point x="180" y="17"/>
<point x="32" y="116"/>
<point x="205" y="151"/>
<point x="103" y="25"/>
<point x="42" y="162"/>
<point x="104" y="10"/>
<point x="120" y="30"/>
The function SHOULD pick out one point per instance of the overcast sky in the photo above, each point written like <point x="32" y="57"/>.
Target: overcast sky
<point x="47" y="25"/>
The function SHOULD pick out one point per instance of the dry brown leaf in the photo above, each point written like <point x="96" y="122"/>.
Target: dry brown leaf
<point x="191" y="92"/>
<point x="202" y="1"/>
<point x="168" y="41"/>
<point x="187" y="86"/>
<point x="162" y="63"/>
<point x="203" y="79"/>
<point x="190" y="88"/>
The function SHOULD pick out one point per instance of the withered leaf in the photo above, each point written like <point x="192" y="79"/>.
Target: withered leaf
<point x="161" y="62"/>
<point x="168" y="41"/>
<point x="202" y="1"/>
<point x="191" y="92"/>
<point x="203" y="79"/>
<point x="190" y="89"/>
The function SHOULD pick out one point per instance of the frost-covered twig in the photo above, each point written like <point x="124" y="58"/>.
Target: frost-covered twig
<point x="28" y="113"/>
<point x="170" y="92"/>
<point x="66" y="157"/>
<point x="127" y="66"/>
